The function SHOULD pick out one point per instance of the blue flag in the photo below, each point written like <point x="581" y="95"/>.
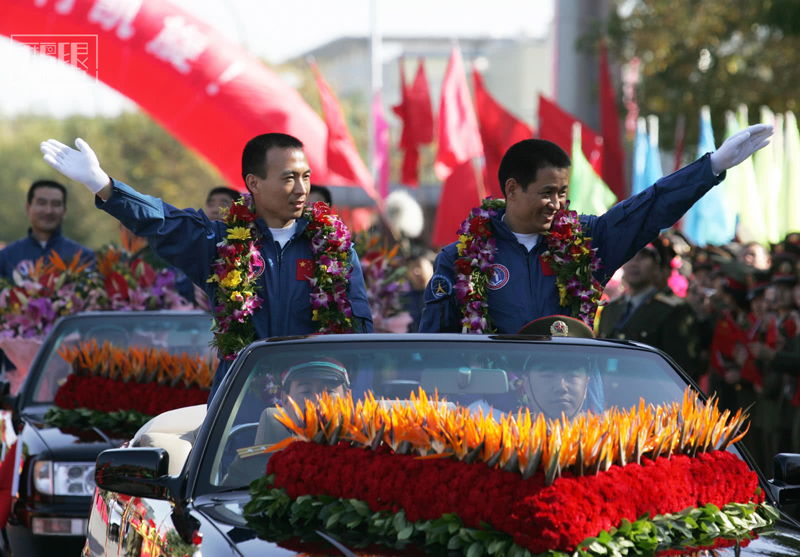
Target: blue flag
<point x="640" y="151"/>
<point x="708" y="222"/>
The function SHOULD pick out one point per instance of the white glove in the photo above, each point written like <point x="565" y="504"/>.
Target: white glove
<point x="739" y="146"/>
<point x="81" y="166"/>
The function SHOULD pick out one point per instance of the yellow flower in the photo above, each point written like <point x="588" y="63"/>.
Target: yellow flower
<point x="234" y="278"/>
<point x="213" y="278"/>
<point x="315" y="315"/>
<point x="577" y="241"/>
<point x="235" y="295"/>
<point x="239" y="233"/>
<point x="462" y="243"/>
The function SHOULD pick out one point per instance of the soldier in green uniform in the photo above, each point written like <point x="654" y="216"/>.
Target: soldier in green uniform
<point x="652" y="315"/>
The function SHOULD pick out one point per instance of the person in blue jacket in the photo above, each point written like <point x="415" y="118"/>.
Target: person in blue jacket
<point x="46" y="208"/>
<point x="276" y="172"/>
<point x="534" y="178"/>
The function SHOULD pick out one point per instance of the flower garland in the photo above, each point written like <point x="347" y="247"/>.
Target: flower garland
<point x="240" y="263"/>
<point x="385" y="277"/>
<point x="570" y="255"/>
<point x="573" y="259"/>
<point x="236" y="271"/>
<point x="330" y="243"/>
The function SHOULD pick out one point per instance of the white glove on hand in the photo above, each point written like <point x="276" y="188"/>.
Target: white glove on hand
<point x="739" y="146"/>
<point x="81" y="166"/>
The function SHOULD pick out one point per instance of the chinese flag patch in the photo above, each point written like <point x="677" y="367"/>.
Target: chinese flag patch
<point x="305" y="269"/>
<point x="546" y="270"/>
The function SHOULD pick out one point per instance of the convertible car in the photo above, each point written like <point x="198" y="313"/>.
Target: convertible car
<point x="181" y="485"/>
<point x="54" y="483"/>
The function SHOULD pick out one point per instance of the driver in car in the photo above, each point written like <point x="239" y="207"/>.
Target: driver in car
<point x="557" y="384"/>
<point x="303" y="381"/>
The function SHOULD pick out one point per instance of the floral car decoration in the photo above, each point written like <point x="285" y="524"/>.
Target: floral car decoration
<point x="119" y="390"/>
<point x="50" y="288"/>
<point x="651" y="479"/>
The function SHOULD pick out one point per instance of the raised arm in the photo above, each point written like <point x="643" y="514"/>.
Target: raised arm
<point x="633" y="223"/>
<point x="185" y="238"/>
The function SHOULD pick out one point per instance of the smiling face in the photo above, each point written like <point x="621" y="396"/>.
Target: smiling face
<point x="532" y="209"/>
<point x="281" y="196"/>
<point x="46" y="210"/>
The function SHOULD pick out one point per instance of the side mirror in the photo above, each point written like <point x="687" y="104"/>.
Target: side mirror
<point x="138" y="472"/>
<point x="786" y="477"/>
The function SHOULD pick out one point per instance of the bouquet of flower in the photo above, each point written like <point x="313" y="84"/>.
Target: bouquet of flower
<point x="385" y="278"/>
<point x="119" y="390"/>
<point x="125" y="282"/>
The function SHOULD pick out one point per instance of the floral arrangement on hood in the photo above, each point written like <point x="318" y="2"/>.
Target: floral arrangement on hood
<point x="121" y="389"/>
<point x="641" y="481"/>
<point x="386" y="280"/>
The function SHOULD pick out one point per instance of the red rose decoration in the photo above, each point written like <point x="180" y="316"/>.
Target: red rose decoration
<point x="478" y="226"/>
<point x="464" y="267"/>
<point x="240" y="212"/>
<point x="320" y="209"/>
<point x="116" y="286"/>
<point x="575" y="250"/>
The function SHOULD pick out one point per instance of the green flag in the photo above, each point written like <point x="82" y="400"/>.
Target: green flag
<point x="768" y="180"/>
<point x="588" y="194"/>
<point x="751" y="213"/>
<point x="790" y="198"/>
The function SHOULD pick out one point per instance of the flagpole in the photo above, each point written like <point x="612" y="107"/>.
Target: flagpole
<point x="376" y="82"/>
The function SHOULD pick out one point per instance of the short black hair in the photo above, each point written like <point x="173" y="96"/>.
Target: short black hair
<point x="225" y="190"/>
<point x="324" y="192"/>
<point x="523" y="161"/>
<point x="254" y="156"/>
<point x="46" y="184"/>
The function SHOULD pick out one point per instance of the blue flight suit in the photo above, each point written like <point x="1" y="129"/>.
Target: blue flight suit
<point x="28" y="250"/>
<point x="187" y="239"/>
<point x="521" y="291"/>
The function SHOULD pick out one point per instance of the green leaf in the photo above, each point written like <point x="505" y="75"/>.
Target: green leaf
<point x="360" y="506"/>
<point x="405" y="533"/>
<point x="475" y="550"/>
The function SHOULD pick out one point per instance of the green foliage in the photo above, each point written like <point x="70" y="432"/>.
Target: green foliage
<point x="274" y="516"/>
<point x="130" y="147"/>
<point x="126" y="422"/>
<point x="753" y="47"/>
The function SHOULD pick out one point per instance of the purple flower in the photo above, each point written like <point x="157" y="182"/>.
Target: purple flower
<point x="320" y="299"/>
<point x="574" y="286"/>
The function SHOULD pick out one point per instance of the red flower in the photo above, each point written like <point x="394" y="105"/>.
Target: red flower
<point x="240" y="213"/>
<point x="539" y="518"/>
<point x="116" y="285"/>
<point x="575" y="250"/>
<point x="319" y="210"/>
<point x="144" y="273"/>
<point x="15" y="295"/>
<point x="464" y="266"/>
<point x="478" y="226"/>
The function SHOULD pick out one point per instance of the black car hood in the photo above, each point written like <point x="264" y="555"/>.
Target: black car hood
<point x="225" y="512"/>
<point x="75" y="446"/>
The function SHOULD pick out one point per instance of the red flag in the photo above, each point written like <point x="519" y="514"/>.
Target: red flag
<point x="613" y="154"/>
<point x="499" y="131"/>
<point x="555" y="124"/>
<point x="417" y="114"/>
<point x="460" y="194"/>
<point x="342" y="154"/>
<point x="458" y="132"/>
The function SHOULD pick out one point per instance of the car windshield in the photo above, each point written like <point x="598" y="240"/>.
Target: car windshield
<point x="500" y="377"/>
<point x="175" y="332"/>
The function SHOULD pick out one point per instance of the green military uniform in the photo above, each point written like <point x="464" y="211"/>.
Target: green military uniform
<point x="662" y="320"/>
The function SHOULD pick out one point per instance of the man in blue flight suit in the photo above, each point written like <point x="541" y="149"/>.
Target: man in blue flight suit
<point x="276" y="173"/>
<point x="534" y="175"/>
<point x="46" y="207"/>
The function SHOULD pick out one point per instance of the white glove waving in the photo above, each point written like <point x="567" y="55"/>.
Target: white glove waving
<point x="81" y="166"/>
<point x="739" y="146"/>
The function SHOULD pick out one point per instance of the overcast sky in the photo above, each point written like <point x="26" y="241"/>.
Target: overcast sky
<point x="276" y="31"/>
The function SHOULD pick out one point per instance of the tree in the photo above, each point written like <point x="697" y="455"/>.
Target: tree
<point x="131" y="148"/>
<point x="698" y="52"/>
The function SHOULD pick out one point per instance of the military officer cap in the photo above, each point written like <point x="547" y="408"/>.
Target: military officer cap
<point x="757" y="284"/>
<point x="557" y="326"/>
<point x="784" y="268"/>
